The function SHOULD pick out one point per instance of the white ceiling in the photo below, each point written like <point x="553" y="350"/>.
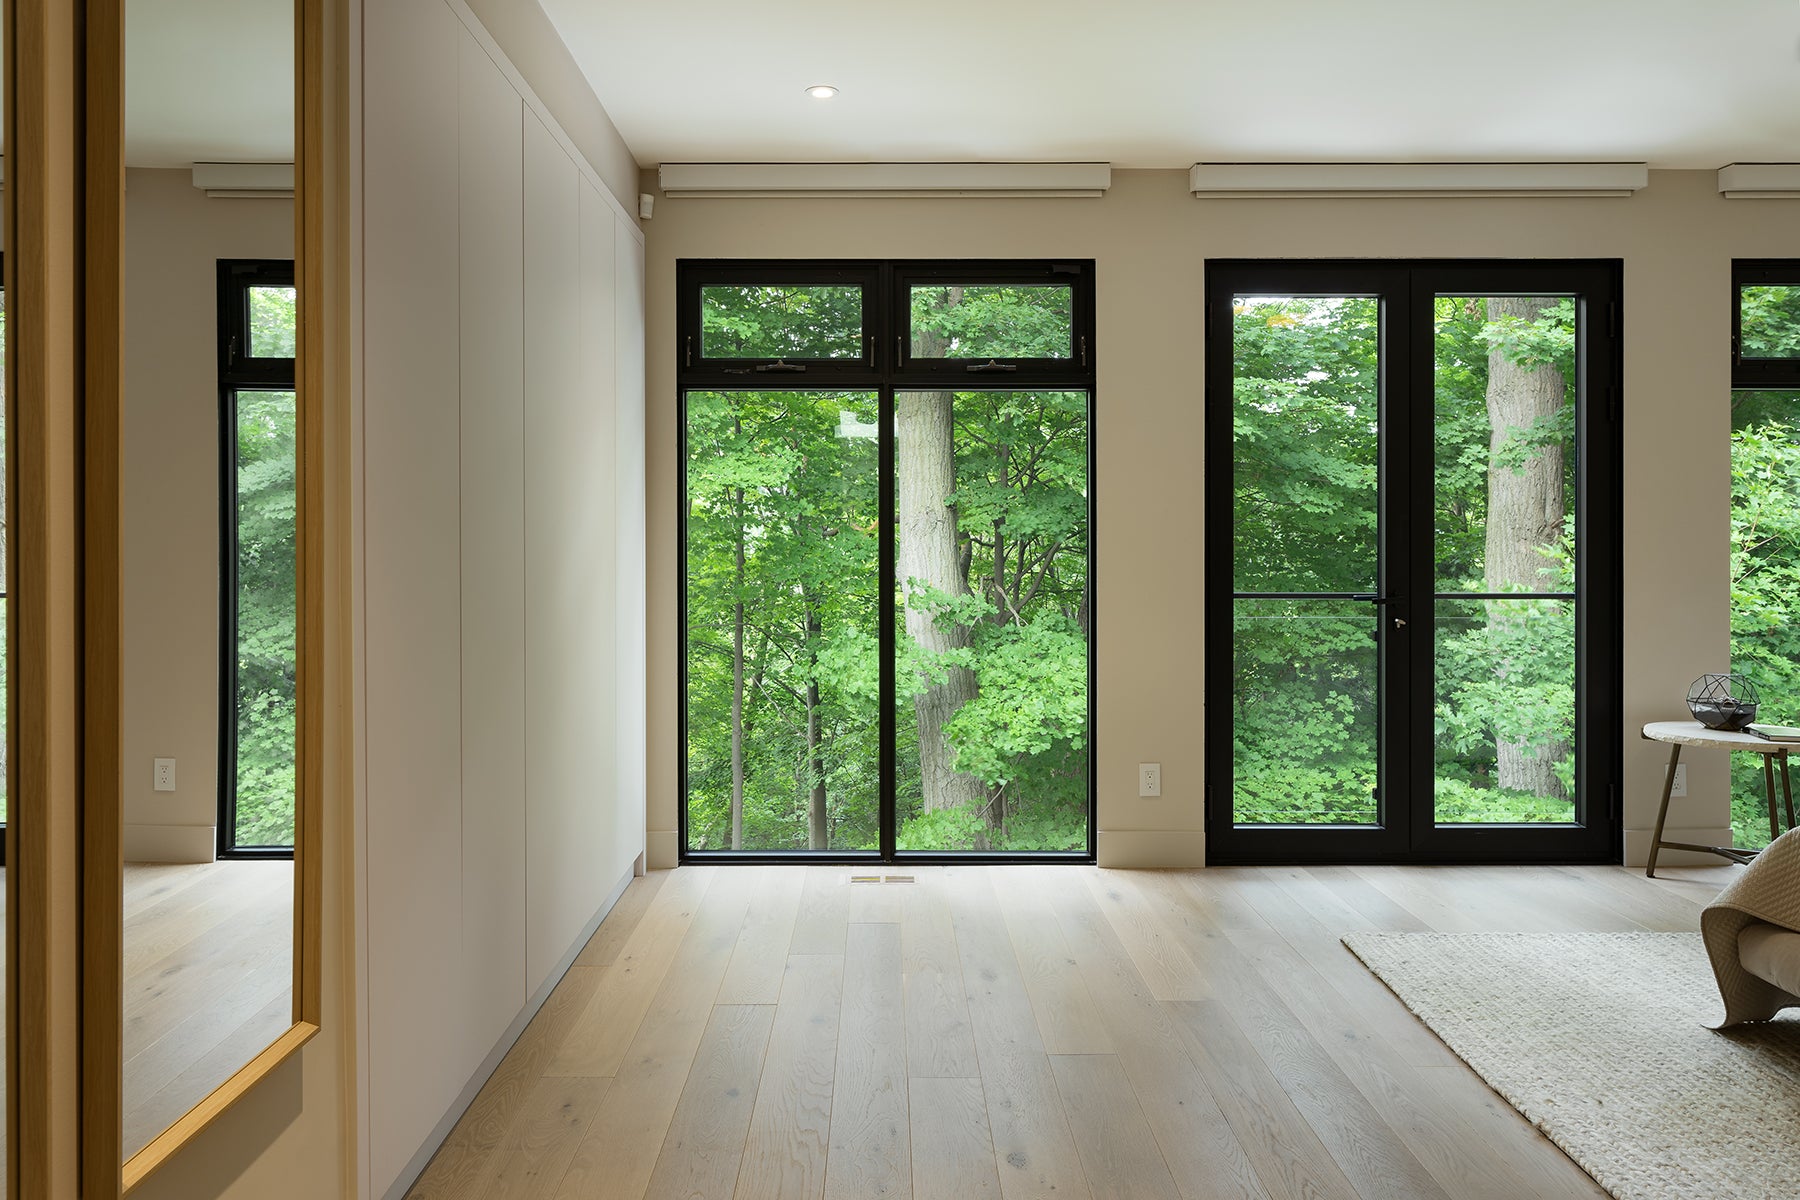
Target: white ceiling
<point x="209" y="81"/>
<point x="1148" y="83"/>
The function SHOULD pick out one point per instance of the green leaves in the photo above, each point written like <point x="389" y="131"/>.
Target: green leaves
<point x="267" y="615"/>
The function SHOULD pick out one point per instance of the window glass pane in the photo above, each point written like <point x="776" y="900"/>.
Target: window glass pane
<point x="782" y="652"/>
<point x="1304" y="710"/>
<point x="1505" y="711"/>
<point x="1769" y="321"/>
<point x="790" y="320"/>
<point x="266" y="619"/>
<point x="1503" y="498"/>
<point x="991" y="718"/>
<point x="1765" y="581"/>
<point x="993" y="321"/>
<point x="1504" y="472"/>
<point x="272" y="322"/>
<point x="1306" y="443"/>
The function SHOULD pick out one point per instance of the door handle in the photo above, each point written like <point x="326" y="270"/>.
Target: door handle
<point x="1399" y="622"/>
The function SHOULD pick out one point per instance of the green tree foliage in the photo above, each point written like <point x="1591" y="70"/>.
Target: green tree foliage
<point x="1769" y="321"/>
<point x="1765" y="573"/>
<point x="267" y="614"/>
<point x="783" y="649"/>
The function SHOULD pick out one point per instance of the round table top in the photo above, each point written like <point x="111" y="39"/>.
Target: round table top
<point x="1693" y="733"/>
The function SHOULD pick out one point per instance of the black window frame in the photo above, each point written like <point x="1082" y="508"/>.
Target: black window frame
<point x="994" y="274"/>
<point x="695" y="360"/>
<point x="1760" y="374"/>
<point x="1407" y="588"/>
<point x="238" y="371"/>
<point x="885" y="370"/>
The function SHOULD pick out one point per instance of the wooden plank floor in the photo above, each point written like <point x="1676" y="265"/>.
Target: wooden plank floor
<point x="208" y="981"/>
<point x="1023" y="1033"/>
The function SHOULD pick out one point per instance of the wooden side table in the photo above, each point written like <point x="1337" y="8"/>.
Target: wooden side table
<point x="1693" y="733"/>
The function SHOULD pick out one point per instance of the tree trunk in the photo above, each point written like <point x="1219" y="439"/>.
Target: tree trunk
<point x="817" y="836"/>
<point x="930" y="555"/>
<point x="925" y="430"/>
<point x="737" y="687"/>
<point x="1524" y="513"/>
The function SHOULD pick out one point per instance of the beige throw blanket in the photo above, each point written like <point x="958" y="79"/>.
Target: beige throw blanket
<point x="1768" y="891"/>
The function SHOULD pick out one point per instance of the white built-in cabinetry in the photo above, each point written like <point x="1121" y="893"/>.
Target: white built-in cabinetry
<point x="501" y="579"/>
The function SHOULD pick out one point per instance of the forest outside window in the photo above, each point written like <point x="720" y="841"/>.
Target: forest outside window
<point x="258" y="564"/>
<point x="948" y="714"/>
<point x="1765" y="510"/>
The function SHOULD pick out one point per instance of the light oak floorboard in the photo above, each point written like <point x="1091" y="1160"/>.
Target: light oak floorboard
<point x="1166" y="967"/>
<point x="820" y="925"/>
<point x="462" y="1166"/>
<point x="1033" y="1148"/>
<point x="756" y="968"/>
<point x="1117" y="1149"/>
<point x="871" y="1155"/>
<point x="952" y="1154"/>
<point x="1202" y="1152"/>
<point x="597" y="1040"/>
<point x="1236" y="1049"/>
<point x="939" y="1041"/>
<point x="537" y="1150"/>
<point x="626" y="915"/>
<point x="705" y="1142"/>
<point x="1067" y="1021"/>
<point x="790" y="1129"/>
<point x="617" y="1157"/>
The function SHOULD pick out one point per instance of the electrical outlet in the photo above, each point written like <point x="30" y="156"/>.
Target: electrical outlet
<point x="165" y="775"/>
<point x="1680" y="788"/>
<point x="1149" y="779"/>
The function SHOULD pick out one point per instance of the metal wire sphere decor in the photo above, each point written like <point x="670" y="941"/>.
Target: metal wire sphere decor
<point x="1725" y="702"/>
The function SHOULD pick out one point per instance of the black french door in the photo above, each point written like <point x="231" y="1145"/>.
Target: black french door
<point x="1413" y="488"/>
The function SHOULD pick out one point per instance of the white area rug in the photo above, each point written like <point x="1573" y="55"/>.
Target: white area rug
<point x="1600" y="1040"/>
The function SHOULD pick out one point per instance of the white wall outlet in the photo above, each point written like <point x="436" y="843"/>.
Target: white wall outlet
<point x="1680" y="788"/>
<point x="1149" y="779"/>
<point x="165" y="775"/>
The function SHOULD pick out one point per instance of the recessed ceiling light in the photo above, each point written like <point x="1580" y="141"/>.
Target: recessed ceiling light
<point x="821" y="91"/>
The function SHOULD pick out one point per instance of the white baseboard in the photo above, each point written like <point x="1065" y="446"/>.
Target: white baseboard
<point x="1151" y="848"/>
<point x="663" y="849"/>
<point x="170" y="843"/>
<point x="416" y="1166"/>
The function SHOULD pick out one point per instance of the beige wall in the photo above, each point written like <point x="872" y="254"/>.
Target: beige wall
<point x="174" y="237"/>
<point x="1150" y="240"/>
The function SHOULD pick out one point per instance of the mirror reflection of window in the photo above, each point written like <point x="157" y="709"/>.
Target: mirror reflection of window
<point x="208" y="534"/>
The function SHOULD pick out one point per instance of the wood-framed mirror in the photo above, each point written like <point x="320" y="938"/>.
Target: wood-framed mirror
<point x="209" y="113"/>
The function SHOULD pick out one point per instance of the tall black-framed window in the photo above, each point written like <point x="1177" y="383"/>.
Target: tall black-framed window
<point x="928" y="424"/>
<point x="1765" y="510"/>
<point x="1412" y="561"/>
<point x="258" y="564"/>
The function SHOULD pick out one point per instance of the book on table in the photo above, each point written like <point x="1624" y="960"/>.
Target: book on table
<point x="1775" y="733"/>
